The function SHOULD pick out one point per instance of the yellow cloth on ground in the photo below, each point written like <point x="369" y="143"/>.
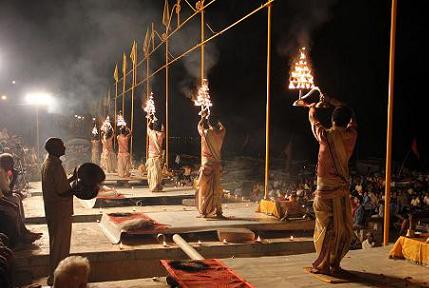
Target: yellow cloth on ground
<point x="413" y="249"/>
<point x="270" y="207"/>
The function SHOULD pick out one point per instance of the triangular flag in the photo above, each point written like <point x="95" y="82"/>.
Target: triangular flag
<point x="133" y="54"/>
<point x="124" y="64"/>
<point x="166" y="14"/>
<point x="146" y="42"/>
<point x="115" y="73"/>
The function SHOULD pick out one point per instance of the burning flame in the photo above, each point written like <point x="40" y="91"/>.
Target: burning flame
<point x="301" y="75"/>
<point x="203" y="98"/>
<point x="121" y="121"/>
<point x="150" y="109"/>
<point x="106" y="125"/>
<point x="95" y="130"/>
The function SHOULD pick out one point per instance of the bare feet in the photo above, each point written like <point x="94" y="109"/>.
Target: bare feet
<point x="337" y="270"/>
<point x="320" y="271"/>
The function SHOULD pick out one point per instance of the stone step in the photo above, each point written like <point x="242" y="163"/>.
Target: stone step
<point x="141" y="259"/>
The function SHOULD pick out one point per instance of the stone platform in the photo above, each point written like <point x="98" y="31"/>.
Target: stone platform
<point x="137" y="195"/>
<point x="369" y="268"/>
<point x="135" y="177"/>
<point x="125" y="260"/>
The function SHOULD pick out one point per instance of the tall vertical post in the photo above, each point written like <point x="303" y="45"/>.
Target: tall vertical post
<point x="178" y="8"/>
<point x="147" y="97"/>
<point x="134" y="82"/>
<point x="202" y="40"/>
<point x="37" y="134"/>
<point x="268" y="108"/>
<point x="389" y="123"/>
<point x="167" y="138"/>
<point x="124" y="82"/>
<point x="116" y="112"/>
<point x="108" y="102"/>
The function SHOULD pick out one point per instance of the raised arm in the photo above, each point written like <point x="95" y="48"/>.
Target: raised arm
<point x="316" y="127"/>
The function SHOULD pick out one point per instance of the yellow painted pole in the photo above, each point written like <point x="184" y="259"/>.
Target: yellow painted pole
<point x="124" y="82"/>
<point x="132" y="101"/>
<point x="178" y="8"/>
<point x="267" y="114"/>
<point x="202" y="46"/>
<point x="108" y="102"/>
<point x="116" y="112"/>
<point x="167" y="138"/>
<point x="390" y="122"/>
<point x="147" y="97"/>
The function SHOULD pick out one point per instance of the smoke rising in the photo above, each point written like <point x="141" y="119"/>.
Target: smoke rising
<point x="70" y="47"/>
<point x="307" y="16"/>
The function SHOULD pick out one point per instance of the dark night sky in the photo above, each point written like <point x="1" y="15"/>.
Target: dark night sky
<point x="70" y="48"/>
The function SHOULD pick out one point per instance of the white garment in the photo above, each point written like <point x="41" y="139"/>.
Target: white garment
<point x="367" y="245"/>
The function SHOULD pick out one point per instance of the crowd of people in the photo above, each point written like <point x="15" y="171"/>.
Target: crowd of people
<point x="25" y="156"/>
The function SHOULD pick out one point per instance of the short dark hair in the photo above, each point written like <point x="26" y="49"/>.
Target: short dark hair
<point x="51" y="144"/>
<point x="123" y="130"/>
<point x="157" y="125"/>
<point x="214" y="121"/>
<point x="6" y="161"/>
<point x="342" y="116"/>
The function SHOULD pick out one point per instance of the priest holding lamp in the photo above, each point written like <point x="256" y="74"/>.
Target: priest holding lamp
<point x="333" y="229"/>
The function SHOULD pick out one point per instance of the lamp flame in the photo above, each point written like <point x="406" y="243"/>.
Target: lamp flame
<point x="106" y="125"/>
<point x="121" y="121"/>
<point x="150" y="109"/>
<point x="203" y="98"/>
<point x="301" y="76"/>
<point x="94" y="130"/>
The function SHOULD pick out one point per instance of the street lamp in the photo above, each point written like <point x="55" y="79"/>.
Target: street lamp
<point x="39" y="99"/>
<point x="3" y="97"/>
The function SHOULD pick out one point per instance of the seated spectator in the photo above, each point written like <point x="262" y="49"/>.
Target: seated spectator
<point x="359" y="216"/>
<point x="369" y="242"/>
<point x="6" y="262"/>
<point x="72" y="272"/>
<point x="11" y="208"/>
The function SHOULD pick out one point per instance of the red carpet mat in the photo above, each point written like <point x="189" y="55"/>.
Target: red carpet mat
<point x="214" y="275"/>
<point x="136" y="223"/>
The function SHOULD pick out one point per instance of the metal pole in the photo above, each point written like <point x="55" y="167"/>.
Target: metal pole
<point x="202" y="46"/>
<point x="116" y="112"/>
<point x="389" y="122"/>
<point x="147" y="97"/>
<point x="37" y="134"/>
<point x="267" y="115"/>
<point x="108" y="101"/>
<point x="132" y="106"/>
<point x="124" y="86"/>
<point x="167" y="138"/>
